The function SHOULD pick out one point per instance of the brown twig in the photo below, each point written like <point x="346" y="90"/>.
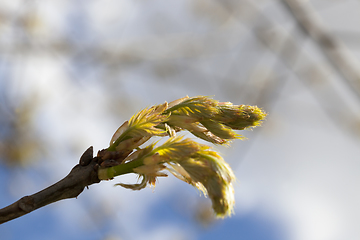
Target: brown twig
<point x="81" y="176"/>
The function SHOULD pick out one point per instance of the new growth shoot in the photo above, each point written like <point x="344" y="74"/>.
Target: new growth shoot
<point x="192" y="162"/>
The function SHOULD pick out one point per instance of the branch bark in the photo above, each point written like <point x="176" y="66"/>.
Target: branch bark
<point x="81" y="176"/>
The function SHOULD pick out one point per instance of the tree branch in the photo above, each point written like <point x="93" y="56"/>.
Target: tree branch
<point x="81" y="176"/>
<point x="336" y="53"/>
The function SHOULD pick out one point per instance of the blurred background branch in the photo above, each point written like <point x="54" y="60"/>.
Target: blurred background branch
<point x="337" y="54"/>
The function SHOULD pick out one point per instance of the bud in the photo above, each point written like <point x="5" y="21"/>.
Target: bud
<point x="199" y="107"/>
<point x="219" y="129"/>
<point x="208" y="172"/>
<point x="140" y="128"/>
<point x="240" y="117"/>
<point x="191" y="162"/>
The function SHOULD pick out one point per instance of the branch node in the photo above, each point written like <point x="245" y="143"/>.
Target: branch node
<point x="27" y="204"/>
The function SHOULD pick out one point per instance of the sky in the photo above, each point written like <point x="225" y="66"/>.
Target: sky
<point x="90" y="65"/>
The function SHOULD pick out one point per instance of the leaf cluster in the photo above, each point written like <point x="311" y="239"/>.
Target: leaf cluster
<point x="190" y="161"/>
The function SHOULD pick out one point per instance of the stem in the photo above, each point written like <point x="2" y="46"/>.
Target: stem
<point x="121" y="169"/>
<point x="69" y="187"/>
